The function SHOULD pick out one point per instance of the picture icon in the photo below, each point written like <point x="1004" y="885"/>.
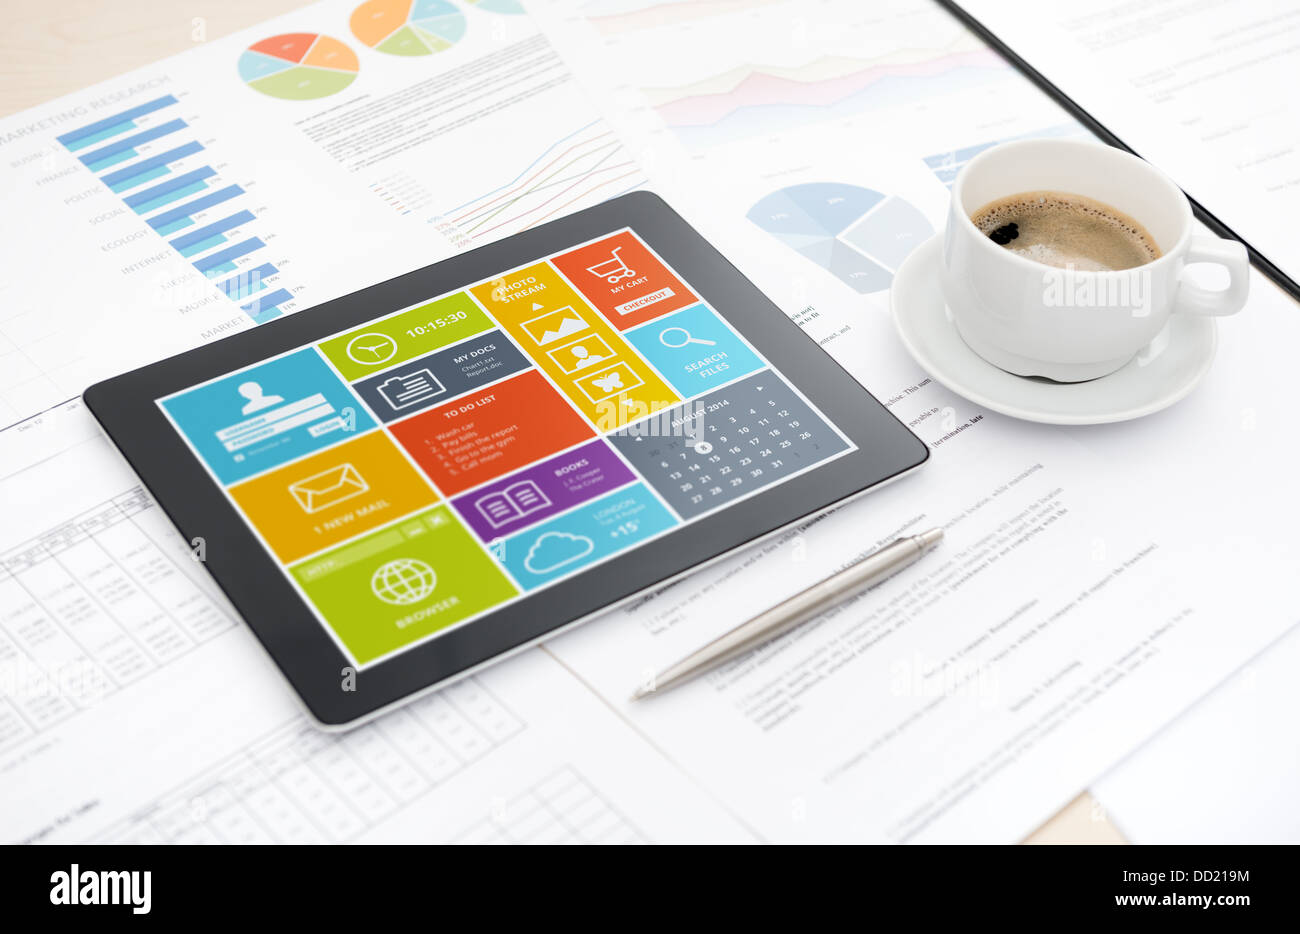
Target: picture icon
<point x="407" y="389"/>
<point x="403" y="582"/>
<point x="371" y="349"/>
<point x="556" y="549"/>
<point x="553" y="326"/>
<point x="328" y="488"/>
<point x="612" y="269"/>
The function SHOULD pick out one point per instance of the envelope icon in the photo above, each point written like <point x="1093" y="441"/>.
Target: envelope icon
<point x="328" y="488"/>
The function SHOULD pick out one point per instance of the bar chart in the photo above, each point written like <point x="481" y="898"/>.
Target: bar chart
<point x="148" y="154"/>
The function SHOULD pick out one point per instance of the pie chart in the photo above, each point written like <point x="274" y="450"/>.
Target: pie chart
<point x="859" y="235"/>
<point x="408" y="27"/>
<point x="298" y="66"/>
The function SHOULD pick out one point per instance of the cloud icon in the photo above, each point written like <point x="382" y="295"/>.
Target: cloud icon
<point x="555" y="550"/>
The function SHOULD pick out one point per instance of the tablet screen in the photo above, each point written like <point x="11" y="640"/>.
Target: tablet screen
<point x="417" y="472"/>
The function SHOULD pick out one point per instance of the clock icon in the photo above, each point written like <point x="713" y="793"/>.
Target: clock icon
<point x="371" y="349"/>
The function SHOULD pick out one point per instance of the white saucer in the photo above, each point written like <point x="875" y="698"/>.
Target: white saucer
<point x="1166" y="371"/>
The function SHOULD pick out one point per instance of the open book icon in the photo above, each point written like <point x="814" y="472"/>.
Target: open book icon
<point x="514" y="502"/>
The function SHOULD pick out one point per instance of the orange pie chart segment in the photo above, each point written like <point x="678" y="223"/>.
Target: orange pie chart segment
<point x="329" y="52"/>
<point x="375" y="20"/>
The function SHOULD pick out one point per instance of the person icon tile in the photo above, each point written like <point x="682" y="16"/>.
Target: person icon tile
<point x="584" y="357"/>
<point x="257" y="398"/>
<point x="583" y="354"/>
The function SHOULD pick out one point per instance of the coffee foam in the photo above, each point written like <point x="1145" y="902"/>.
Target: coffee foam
<point x="1066" y="230"/>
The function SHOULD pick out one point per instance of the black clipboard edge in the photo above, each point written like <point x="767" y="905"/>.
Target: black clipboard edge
<point x="1262" y="262"/>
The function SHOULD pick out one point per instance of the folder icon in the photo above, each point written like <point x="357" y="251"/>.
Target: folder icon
<point x="328" y="488"/>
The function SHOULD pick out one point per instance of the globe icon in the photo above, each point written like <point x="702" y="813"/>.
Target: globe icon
<point x="403" y="582"/>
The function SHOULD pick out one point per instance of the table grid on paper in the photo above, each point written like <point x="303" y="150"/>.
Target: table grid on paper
<point x="563" y="808"/>
<point x="94" y="604"/>
<point x="299" y="785"/>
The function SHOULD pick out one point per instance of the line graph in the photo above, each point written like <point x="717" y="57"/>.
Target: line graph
<point x="581" y="168"/>
<point x="750" y="99"/>
<point x="613" y="17"/>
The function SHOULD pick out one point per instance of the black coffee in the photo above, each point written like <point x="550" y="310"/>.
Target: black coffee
<point x="1065" y="230"/>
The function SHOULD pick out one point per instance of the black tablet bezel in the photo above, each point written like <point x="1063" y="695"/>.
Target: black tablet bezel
<point x="298" y="642"/>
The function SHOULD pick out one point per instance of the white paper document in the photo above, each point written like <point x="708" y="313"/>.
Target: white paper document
<point x="1076" y="606"/>
<point x="1226" y="771"/>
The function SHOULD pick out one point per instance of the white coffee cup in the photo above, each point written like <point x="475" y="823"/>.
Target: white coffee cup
<point x="1032" y="319"/>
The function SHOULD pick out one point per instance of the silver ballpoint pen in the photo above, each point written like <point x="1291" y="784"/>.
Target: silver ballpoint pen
<point x="787" y="614"/>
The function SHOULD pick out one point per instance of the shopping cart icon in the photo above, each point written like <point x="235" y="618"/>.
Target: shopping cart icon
<point x="613" y="269"/>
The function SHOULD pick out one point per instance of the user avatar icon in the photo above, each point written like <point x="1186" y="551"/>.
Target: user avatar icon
<point x="257" y="399"/>
<point x="585" y="357"/>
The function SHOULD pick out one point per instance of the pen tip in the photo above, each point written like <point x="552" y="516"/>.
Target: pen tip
<point x="932" y="537"/>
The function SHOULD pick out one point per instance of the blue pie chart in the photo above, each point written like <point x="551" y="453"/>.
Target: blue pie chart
<point x="858" y="235"/>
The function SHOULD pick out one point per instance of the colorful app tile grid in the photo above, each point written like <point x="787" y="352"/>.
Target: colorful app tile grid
<point x="415" y="473"/>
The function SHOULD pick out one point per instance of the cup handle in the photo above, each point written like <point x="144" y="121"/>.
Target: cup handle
<point x="1231" y="255"/>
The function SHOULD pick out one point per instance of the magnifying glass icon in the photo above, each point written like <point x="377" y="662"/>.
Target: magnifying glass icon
<point x="680" y="337"/>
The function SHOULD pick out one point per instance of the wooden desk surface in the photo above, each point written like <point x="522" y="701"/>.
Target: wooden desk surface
<point x="48" y="51"/>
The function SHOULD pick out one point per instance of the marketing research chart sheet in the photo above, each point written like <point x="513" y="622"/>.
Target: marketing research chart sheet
<point x="271" y="170"/>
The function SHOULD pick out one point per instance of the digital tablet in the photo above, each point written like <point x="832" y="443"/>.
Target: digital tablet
<point x="404" y="484"/>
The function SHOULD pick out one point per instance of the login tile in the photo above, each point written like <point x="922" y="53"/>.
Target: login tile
<point x="267" y="415"/>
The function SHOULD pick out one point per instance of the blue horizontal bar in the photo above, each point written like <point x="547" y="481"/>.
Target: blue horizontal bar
<point x="265" y="315"/>
<point x="92" y="128"/>
<point x="112" y="160"/>
<point x="247" y="282"/>
<point x="101" y="136"/>
<point x="229" y="253"/>
<point x="179" y="224"/>
<point x="180" y="152"/>
<point x="157" y="191"/>
<point x="221" y="226"/>
<point x="218" y="270"/>
<point x="273" y="300"/>
<point x="158" y="222"/>
<point x="201" y="246"/>
<point x="241" y="291"/>
<point x="140" y="179"/>
<point x="132" y="141"/>
<point x="174" y="195"/>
